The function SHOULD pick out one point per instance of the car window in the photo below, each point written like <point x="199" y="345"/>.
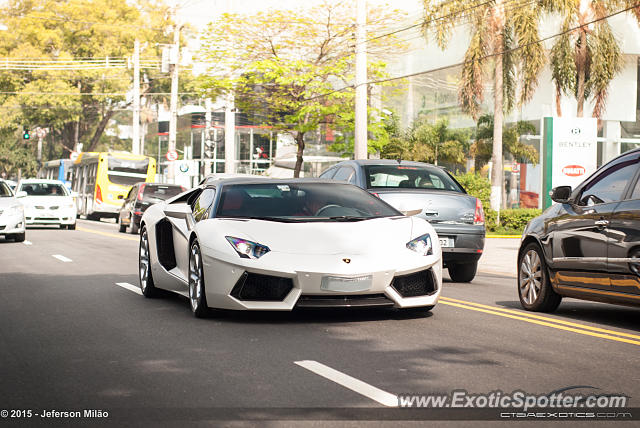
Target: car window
<point x="132" y="193"/>
<point x="44" y="189"/>
<point x="610" y="184"/>
<point x="154" y="193"/>
<point x="346" y="173"/>
<point x="5" y="191"/>
<point x="410" y="177"/>
<point x="300" y="202"/>
<point x="202" y="206"/>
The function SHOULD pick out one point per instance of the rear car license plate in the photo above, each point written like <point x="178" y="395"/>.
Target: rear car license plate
<point x="344" y="284"/>
<point x="445" y="241"/>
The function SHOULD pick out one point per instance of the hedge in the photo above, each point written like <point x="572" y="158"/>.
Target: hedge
<point x="512" y="221"/>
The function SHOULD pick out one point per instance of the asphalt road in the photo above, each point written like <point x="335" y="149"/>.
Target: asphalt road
<point x="71" y="338"/>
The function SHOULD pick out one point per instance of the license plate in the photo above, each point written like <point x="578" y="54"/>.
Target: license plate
<point x="446" y="242"/>
<point x="342" y="284"/>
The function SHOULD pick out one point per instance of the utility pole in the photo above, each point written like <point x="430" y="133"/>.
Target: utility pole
<point x="173" y="119"/>
<point x="360" y="144"/>
<point x="207" y="137"/>
<point x="135" y="143"/>
<point x="229" y="135"/>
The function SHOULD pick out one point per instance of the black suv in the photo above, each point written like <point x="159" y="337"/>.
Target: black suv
<point x="587" y="245"/>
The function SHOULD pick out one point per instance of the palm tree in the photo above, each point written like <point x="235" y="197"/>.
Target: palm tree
<point x="497" y="27"/>
<point x="585" y="60"/>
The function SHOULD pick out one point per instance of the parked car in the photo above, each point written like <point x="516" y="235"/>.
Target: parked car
<point x="48" y="202"/>
<point x="12" y="221"/>
<point x="586" y="245"/>
<point x="267" y="244"/>
<point x="140" y="197"/>
<point x="431" y="193"/>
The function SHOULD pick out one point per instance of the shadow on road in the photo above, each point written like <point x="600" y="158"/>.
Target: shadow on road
<point x="599" y="313"/>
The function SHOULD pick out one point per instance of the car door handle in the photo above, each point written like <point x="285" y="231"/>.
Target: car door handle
<point x="602" y="223"/>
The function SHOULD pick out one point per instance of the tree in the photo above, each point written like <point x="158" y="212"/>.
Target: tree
<point x="585" y="61"/>
<point x="482" y="148"/>
<point x="287" y="68"/>
<point x="76" y="101"/>
<point x="502" y="44"/>
<point x="427" y="142"/>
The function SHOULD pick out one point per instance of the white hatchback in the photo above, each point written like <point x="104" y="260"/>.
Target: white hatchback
<point x="12" y="222"/>
<point x="48" y="202"/>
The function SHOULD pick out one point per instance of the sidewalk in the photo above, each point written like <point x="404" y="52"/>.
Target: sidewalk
<point x="500" y="256"/>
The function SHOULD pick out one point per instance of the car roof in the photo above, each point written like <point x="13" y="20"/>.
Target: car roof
<point x="363" y="162"/>
<point x="262" y="180"/>
<point x="40" y="180"/>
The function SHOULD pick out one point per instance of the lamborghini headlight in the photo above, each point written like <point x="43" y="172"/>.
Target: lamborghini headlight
<point x="247" y="249"/>
<point x="421" y="245"/>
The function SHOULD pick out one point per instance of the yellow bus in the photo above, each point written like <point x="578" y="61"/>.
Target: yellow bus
<point x="100" y="178"/>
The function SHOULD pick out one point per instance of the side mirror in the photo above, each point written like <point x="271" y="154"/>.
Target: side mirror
<point x="177" y="210"/>
<point x="21" y="194"/>
<point x="560" y="194"/>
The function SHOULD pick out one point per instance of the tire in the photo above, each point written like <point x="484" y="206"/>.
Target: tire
<point x="463" y="272"/>
<point x="534" y="287"/>
<point x="71" y="226"/>
<point x="133" y="228"/>
<point x="197" y="294"/>
<point x="144" y="267"/>
<point x="19" y="237"/>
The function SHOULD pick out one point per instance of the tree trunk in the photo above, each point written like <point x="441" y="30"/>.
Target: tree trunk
<point x="300" y="143"/>
<point x="99" y="130"/>
<point x="582" y="72"/>
<point x="496" y="156"/>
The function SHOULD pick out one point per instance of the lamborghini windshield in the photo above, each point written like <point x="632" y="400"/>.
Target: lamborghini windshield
<point x="297" y="201"/>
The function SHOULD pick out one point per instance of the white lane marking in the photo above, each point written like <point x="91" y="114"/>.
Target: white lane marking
<point x="130" y="287"/>
<point x="62" y="258"/>
<point x="27" y="242"/>
<point x="362" y="388"/>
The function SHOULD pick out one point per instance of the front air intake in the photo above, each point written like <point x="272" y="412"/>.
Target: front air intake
<point x="254" y="286"/>
<point x="422" y="283"/>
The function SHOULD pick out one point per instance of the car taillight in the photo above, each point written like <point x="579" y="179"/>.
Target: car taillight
<point x="141" y="191"/>
<point x="478" y="217"/>
<point x="98" y="193"/>
<point x="375" y="194"/>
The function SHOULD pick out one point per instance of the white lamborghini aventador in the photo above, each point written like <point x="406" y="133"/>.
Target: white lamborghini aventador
<point x="264" y="244"/>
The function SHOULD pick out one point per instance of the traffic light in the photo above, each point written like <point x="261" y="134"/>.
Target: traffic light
<point x="25" y="133"/>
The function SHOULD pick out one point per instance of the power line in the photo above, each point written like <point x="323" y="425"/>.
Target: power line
<point x="459" y="64"/>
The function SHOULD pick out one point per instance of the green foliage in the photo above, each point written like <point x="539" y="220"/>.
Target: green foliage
<point x="429" y="142"/>
<point x="483" y="146"/>
<point x="74" y="97"/>
<point x="495" y="28"/>
<point x="512" y="221"/>
<point x="476" y="185"/>
<point x="284" y="67"/>
<point x="591" y="54"/>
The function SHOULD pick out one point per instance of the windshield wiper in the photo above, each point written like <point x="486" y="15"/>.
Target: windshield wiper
<point x="265" y="218"/>
<point x="350" y="218"/>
